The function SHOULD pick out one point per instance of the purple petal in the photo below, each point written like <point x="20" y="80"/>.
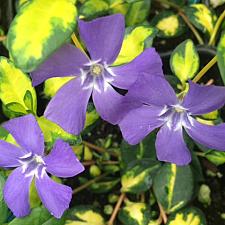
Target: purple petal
<point x="55" y="197"/>
<point x="153" y="90"/>
<point x="66" y="61"/>
<point x="210" y="136"/>
<point x="62" y="162"/>
<point x="170" y="146"/>
<point x="204" y="99"/>
<point x="103" y="37"/>
<point x="10" y="154"/>
<point x="149" y="62"/>
<point x="138" y="123"/>
<point x="68" y="107"/>
<point x="27" y="133"/>
<point x="16" y="193"/>
<point x="107" y="104"/>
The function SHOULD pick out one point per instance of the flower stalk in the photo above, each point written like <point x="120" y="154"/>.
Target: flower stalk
<point x="185" y="18"/>
<point x="99" y="149"/>
<point x="90" y="182"/>
<point x="203" y="71"/>
<point x="78" y="44"/>
<point x="116" y="209"/>
<point x="216" y="28"/>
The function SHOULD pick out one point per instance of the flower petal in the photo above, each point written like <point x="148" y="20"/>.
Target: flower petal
<point x="107" y="103"/>
<point x="149" y="62"/>
<point x="10" y="154"/>
<point x="66" y="61"/>
<point x="138" y="123"/>
<point x="27" y="133"/>
<point x="170" y="146"/>
<point x="62" y="162"/>
<point x="210" y="136"/>
<point x="204" y="99"/>
<point x="55" y="197"/>
<point x="16" y="193"/>
<point x="103" y="37"/>
<point x="152" y="90"/>
<point x="68" y="107"/>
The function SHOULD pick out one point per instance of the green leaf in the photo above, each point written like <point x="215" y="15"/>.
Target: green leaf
<point x="135" y="41"/>
<point x="169" y="185"/>
<point x="104" y="186"/>
<point x="138" y="12"/>
<point x="91" y="116"/>
<point x="216" y="157"/>
<point x="118" y="6"/>
<point x="184" y="61"/>
<point x="221" y="56"/>
<point x="202" y="17"/>
<point x="168" y="24"/>
<point x="3" y="207"/>
<point x="37" y="217"/>
<point x="39" y="28"/>
<point x="93" y="8"/>
<point x="138" y="176"/>
<point x="189" y="216"/>
<point x="52" y="132"/>
<point x="20" y="3"/>
<point x="85" y="215"/>
<point x="144" y="150"/>
<point x="135" y="213"/>
<point x="34" y="198"/>
<point x="52" y="85"/>
<point x="16" y="91"/>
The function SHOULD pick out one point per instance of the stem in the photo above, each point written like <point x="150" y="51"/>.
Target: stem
<point x="216" y="28"/>
<point x="99" y="149"/>
<point x="192" y="28"/>
<point x="184" y="17"/>
<point x="2" y="38"/>
<point x="90" y="182"/>
<point x="116" y="209"/>
<point x="205" y="69"/>
<point x="78" y="44"/>
<point x="162" y="213"/>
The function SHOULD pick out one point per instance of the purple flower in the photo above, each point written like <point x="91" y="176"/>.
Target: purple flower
<point x="30" y="162"/>
<point x="158" y="106"/>
<point x="103" y="38"/>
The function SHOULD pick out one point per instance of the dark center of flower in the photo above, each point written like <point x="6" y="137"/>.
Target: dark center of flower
<point x="97" y="69"/>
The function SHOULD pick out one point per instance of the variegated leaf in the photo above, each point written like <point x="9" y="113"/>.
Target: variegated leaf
<point x="39" y="28"/>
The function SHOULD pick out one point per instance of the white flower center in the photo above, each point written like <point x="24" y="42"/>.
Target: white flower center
<point x="32" y="165"/>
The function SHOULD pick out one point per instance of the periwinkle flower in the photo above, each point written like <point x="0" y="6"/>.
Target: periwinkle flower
<point x="157" y="106"/>
<point x="31" y="163"/>
<point x="94" y="76"/>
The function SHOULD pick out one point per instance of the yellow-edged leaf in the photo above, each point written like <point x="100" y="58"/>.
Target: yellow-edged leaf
<point x="39" y="28"/>
<point x="184" y="61"/>
<point x="134" y="43"/>
<point x="16" y="91"/>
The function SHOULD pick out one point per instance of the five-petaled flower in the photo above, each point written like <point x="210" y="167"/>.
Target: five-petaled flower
<point x="156" y="105"/>
<point x="30" y="162"/>
<point x="103" y="38"/>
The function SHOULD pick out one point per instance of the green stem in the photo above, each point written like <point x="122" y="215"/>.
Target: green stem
<point x="90" y="182"/>
<point x="185" y="18"/>
<point x="205" y="69"/>
<point x="78" y="44"/>
<point x="216" y="28"/>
